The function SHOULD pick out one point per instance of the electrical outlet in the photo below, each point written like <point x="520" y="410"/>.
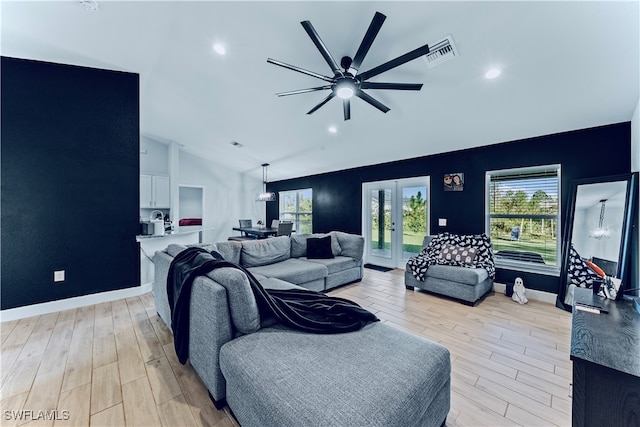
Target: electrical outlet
<point x="442" y="222"/>
<point x="58" y="276"/>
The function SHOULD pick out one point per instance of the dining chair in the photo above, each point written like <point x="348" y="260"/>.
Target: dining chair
<point x="274" y="223"/>
<point x="284" y="229"/>
<point x="244" y="223"/>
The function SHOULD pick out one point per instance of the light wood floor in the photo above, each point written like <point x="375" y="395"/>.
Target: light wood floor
<point x="113" y="364"/>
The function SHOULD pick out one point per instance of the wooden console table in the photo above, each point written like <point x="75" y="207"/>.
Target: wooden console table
<point x="605" y="350"/>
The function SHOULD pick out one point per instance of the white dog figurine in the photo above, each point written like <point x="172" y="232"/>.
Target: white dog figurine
<point x="519" y="292"/>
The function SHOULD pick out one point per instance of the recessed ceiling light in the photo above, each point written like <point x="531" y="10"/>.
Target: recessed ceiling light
<point x="91" y="6"/>
<point x="333" y="129"/>
<point x="492" y="73"/>
<point x="219" y="48"/>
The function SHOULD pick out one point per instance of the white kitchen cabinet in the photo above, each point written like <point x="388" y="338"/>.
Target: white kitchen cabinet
<point x="155" y="191"/>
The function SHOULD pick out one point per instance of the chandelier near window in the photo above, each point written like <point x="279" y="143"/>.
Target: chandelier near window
<point x="265" y="196"/>
<point x="601" y="231"/>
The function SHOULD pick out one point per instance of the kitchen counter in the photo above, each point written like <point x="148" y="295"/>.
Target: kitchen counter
<point x="184" y="235"/>
<point x="179" y="231"/>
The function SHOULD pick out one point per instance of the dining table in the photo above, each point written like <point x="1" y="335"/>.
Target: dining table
<point x="259" y="232"/>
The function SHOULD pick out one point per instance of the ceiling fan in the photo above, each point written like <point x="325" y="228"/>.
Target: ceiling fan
<point x="347" y="80"/>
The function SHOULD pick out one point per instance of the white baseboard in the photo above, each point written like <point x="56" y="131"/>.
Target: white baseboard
<point x="85" y="300"/>
<point x="70" y="303"/>
<point x="531" y="294"/>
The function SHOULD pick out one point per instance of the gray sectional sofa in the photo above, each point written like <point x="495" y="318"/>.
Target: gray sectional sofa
<point x="467" y="285"/>
<point x="271" y="375"/>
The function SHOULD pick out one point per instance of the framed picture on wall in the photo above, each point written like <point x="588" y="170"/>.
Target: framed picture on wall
<point x="454" y="181"/>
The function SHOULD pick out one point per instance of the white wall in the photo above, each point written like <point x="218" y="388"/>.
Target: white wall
<point x="228" y="195"/>
<point x="154" y="156"/>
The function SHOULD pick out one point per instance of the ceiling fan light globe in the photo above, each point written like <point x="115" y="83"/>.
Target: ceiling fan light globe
<point x="345" y="92"/>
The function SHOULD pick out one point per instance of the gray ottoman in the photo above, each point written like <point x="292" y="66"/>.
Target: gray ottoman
<point x="378" y="376"/>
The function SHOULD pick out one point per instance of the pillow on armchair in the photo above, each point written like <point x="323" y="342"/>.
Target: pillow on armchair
<point x="458" y="254"/>
<point x="319" y="248"/>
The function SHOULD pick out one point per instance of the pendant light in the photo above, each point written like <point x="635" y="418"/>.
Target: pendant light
<point x="265" y="196"/>
<point x="600" y="232"/>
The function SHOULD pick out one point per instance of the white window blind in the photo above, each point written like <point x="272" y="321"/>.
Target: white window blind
<point x="523" y="207"/>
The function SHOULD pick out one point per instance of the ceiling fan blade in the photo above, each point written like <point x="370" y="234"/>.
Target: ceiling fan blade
<point x="409" y="56"/>
<point x="324" y="101"/>
<point x="346" y="108"/>
<point x="311" y="89"/>
<point x="395" y="86"/>
<point x="300" y="70"/>
<point x="321" y="47"/>
<point x="367" y="41"/>
<point x="379" y="105"/>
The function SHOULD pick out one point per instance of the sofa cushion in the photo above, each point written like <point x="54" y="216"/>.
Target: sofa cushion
<point x="319" y="248"/>
<point x="468" y="276"/>
<point x="299" y="244"/>
<point x="242" y="304"/>
<point x="336" y="264"/>
<point x="351" y="245"/>
<point x="230" y="250"/>
<point x="273" y="283"/>
<point x="206" y="246"/>
<point x="293" y="270"/>
<point x="174" y="249"/>
<point x="265" y="251"/>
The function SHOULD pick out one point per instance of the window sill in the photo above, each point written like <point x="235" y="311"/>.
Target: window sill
<point x="528" y="267"/>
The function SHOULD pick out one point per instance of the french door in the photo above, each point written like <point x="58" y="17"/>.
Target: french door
<point x="394" y="220"/>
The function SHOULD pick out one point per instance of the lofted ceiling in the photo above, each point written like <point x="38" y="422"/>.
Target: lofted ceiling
<point x="565" y="65"/>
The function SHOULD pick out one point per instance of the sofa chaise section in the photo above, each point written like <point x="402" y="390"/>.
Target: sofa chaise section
<point x="378" y="376"/>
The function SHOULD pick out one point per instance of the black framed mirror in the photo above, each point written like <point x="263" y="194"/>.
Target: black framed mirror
<point x="598" y="232"/>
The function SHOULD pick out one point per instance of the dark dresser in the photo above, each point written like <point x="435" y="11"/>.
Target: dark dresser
<point x="605" y="350"/>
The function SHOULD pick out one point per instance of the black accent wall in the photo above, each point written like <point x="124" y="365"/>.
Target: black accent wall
<point x="70" y="172"/>
<point x="337" y="196"/>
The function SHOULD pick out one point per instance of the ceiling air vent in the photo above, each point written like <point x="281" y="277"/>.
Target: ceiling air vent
<point x="440" y="52"/>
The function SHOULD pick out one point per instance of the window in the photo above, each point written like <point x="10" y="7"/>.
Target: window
<point x="523" y="207"/>
<point x="296" y="206"/>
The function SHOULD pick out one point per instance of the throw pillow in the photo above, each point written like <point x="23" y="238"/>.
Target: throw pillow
<point x="600" y="272"/>
<point x="458" y="254"/>
<point x="319" y="248"/>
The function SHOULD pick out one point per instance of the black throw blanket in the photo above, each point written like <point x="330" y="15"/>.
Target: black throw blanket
<point x="300" y="309"/>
